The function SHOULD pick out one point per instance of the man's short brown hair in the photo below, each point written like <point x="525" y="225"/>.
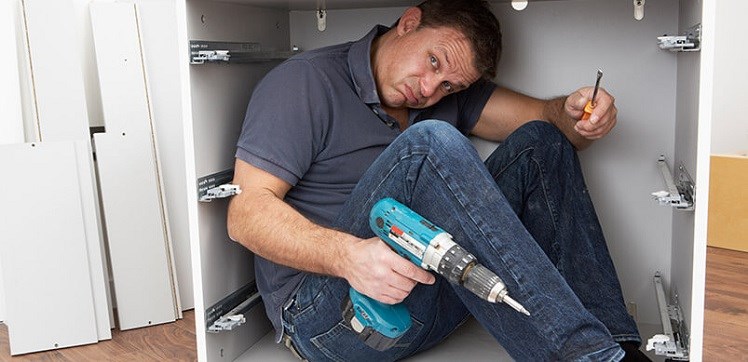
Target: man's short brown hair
<point x="476" y="21"/>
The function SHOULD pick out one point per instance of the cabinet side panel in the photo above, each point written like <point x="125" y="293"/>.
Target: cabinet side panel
<point x="220" y="94"/>
<point x="692" y="139"/>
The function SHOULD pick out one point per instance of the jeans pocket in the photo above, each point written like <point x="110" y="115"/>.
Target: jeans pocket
<point x="342" y="344"/>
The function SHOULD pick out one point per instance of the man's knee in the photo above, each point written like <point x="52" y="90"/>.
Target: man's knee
<point x="537" y="134"/>
<point x="437" y="133"/>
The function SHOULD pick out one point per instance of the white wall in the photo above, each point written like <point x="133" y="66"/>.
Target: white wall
<point x="730" y="117"/>
<point x="11" y="123"/>
<point x="552" y="48"/>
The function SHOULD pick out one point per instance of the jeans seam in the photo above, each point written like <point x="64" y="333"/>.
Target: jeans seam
<point x="510" y="270"/>
<point x="542" y="172"/>
<point x="392" y="169"/>
<point x="459" y="198"/>
<point x="553" y="211"/>
<point x="627" y="338"/>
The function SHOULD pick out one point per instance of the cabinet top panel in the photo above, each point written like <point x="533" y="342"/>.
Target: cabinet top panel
<point x="334" y="4"/>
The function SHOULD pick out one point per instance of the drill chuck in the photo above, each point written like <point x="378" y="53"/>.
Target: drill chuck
<point x="461" y="268"/>
<point x="485" y="284"/>
<point x="454" y="264"/>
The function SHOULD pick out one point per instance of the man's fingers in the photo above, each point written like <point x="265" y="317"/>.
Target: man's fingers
<point x="411" y="271"/>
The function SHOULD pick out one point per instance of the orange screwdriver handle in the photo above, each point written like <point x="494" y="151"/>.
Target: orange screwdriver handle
<point x="587" y="111"/>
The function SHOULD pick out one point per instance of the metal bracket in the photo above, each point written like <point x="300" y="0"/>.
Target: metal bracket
<point x="203" y="56"/>
<point x="216" y="186"/>
<point x="639" y="9"/>
<point x="673" y="342"/>
<point x="680" y="195"/>
<point x="235" y="52"/>
<point x="220" y="192"/>
<point x="321" y="19"/>
<point x="689" y="41"/>
<point x="229" y="312"/>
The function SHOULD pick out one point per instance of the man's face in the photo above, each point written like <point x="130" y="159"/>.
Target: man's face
<point x="420" y="66"/>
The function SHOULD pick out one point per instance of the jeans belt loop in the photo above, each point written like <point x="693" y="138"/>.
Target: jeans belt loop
<point x="286" y="315"/>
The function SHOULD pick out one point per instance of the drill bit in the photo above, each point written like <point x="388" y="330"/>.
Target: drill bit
<point x="514" y="304"/>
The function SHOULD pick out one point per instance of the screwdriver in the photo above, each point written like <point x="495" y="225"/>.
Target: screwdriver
<point x="591" y="103"/>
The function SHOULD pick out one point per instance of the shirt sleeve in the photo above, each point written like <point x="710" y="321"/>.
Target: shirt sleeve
<point x="471" y="102"/>
<point x="286" y="121"/>
<point x="461" y="109"/>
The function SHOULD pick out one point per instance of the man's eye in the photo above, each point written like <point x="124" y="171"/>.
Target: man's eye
<point x="447" y="86"/>
<point x="434" y="61"/>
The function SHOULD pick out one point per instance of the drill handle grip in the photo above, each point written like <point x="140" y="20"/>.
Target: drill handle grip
<point x="379" y="325"/>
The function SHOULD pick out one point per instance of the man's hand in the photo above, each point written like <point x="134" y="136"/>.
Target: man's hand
<point x="378" y="272"/>
<point x="604" y="115"/>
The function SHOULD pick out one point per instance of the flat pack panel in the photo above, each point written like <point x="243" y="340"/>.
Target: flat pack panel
<point x="59" y="114"/>
<point x="220" y="95"/>
<point x="50" y="303"/>
<point x="125" y="103"/>
<point x="57" y="75"/>
<point x="135" y="227"/>
<point x="163" y="55"/>
<point x="94" y="235"/>
<point x="119" y="62"/>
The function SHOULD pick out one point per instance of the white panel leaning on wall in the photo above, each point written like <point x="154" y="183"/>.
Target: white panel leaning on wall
<point x="52" y="256"/>
<point x="129" y="171"/>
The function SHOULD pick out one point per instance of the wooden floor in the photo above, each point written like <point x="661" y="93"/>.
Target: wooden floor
<point x="725" y="330"/>
<point x="165" y="342"/>
<point x="726" y="306"/>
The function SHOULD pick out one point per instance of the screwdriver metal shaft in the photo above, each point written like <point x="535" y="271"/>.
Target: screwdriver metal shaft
<point x="590" y="106"/>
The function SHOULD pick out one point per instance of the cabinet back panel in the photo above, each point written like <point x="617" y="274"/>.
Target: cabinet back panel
<point x="551" y="49"/>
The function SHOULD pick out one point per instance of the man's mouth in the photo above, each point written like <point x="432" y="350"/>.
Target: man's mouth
<point x="410" y="97"/>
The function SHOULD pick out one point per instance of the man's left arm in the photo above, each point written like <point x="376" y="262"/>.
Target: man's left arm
<point x="507" y="110"/>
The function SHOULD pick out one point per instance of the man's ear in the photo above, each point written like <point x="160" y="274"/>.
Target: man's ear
<point x="409" y="21"/>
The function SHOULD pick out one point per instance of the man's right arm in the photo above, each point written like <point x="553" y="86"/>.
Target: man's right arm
<point x="259" y="219"/>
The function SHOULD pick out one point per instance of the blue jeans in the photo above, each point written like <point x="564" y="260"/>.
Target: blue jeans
<point x="543" y="239"/>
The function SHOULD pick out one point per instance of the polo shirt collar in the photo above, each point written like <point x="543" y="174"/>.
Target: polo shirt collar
<point x="359" y="64"/>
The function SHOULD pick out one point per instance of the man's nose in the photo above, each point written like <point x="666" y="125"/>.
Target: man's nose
<point x="429" y="85"/>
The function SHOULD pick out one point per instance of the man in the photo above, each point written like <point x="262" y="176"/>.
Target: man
<point x="332" y="131"/>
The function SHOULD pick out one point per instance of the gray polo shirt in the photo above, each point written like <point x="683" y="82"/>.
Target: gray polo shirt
<point x="316" y="122"/>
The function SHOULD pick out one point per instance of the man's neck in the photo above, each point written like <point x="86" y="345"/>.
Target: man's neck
<point x="399" y="114"/>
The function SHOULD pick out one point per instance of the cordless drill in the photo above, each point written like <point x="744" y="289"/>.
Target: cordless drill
<point x="381" y="325"/>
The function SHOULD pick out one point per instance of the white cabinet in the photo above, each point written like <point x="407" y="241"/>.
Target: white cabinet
<point x="551" y="48"/>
